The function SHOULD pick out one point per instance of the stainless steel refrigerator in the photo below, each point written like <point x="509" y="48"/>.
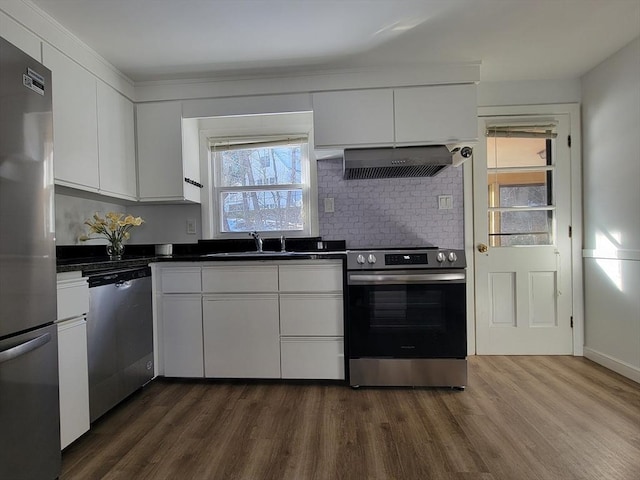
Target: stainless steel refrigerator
<point x="29" y="402"/>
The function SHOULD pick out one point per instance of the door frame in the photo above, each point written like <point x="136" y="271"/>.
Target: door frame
<point x="575" y="215"/>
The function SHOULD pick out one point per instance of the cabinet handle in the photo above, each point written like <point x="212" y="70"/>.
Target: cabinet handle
<point x="193" y="182"/>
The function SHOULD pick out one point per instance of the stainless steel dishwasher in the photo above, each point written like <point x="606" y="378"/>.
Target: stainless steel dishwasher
<point x="119" y="336"/>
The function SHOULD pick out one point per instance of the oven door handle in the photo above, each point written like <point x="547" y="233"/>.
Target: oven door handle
<point x="400" y="279"/>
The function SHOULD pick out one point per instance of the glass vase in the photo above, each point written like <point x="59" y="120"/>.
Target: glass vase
<point x="115" y="250"/>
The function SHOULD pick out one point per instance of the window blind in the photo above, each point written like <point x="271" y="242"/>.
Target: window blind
<point x="243" y="143"/>
<point x="522" y="131"/>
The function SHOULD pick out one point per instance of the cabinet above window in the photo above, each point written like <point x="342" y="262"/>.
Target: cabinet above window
<point x="426" y="115"/>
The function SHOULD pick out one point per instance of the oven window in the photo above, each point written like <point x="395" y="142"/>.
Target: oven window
<point x="405" y="308"/>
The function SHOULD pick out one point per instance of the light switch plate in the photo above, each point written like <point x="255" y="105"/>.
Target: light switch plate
<point x="191" y="226"/>
<point x="329" y="206"/>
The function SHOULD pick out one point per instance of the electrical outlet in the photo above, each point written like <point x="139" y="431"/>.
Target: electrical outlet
<point x="329" y="206"/>
<point x="445" y="202"/>
<point x="191" y="226"/>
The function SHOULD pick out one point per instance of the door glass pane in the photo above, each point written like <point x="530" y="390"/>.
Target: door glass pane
<point x="520" y="174"/>
<point x="533" y="227"/>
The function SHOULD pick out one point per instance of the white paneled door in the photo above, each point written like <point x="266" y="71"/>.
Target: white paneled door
<point x="521" y="180"/>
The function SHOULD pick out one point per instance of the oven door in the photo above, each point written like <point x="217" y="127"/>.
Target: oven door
<point x="407" y="314"/>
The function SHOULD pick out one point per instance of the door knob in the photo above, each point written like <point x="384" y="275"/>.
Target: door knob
<point x="482" y="248"/>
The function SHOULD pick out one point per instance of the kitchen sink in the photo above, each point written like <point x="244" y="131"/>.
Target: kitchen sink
<point x="253" y="253"/>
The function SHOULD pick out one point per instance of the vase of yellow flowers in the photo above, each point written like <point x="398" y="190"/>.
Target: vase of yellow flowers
<point x="115" y="228"/>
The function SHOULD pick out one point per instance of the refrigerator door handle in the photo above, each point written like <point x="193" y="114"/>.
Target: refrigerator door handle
<point x="24" y="348"/>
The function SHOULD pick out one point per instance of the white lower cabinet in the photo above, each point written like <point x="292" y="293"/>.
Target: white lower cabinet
<point x="73" y="365"/>
<point x="252" y="319"/>
<point x="312" y="358"/>
<point x="74" y="379"/>
<point x="182" y="347"/>
<point x="241" y="336"/>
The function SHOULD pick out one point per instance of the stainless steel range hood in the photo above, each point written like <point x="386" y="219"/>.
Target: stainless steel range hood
<point x="389" y="162"/>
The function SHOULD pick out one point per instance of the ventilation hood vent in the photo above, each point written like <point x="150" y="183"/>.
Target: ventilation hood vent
<point x="387" y="162"/>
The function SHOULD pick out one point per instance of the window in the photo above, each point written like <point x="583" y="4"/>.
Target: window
<point x="261" y="184"/>
<point x="520" y="172"/>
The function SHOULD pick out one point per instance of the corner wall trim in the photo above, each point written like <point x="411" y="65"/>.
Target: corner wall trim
<point x="623" y="368"/>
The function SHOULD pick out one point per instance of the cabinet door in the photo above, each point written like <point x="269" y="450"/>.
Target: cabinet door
<point x="181" y="343"/>
<point x="353" y="118"/>
<point x="159" y="136"/>
<point x="75" y="124"/>
<point x="436" y="114"/>
<point x="320" y="358"/>
<point x="116" y="142"/>
<point x="241" y="336"/>
<point x="74" y="379"/>
<point x="191" y="159"/>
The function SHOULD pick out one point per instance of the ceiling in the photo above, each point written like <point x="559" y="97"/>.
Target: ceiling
<point x="512" y="39"/>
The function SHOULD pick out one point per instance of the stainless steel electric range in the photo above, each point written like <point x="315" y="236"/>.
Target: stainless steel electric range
<point x="406" y="317"/>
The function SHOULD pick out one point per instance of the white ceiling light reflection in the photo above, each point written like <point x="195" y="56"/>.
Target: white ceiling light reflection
<point x="606" y="253"/>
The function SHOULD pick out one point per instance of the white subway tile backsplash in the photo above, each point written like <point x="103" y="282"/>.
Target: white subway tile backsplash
<point x="400" y="212"/>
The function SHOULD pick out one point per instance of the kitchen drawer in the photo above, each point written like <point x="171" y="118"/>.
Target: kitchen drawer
<point x="180" y="280"/>
<point x="311" y="314"/>
<point x="240" y="278"/>
<point x="320" y="277"/>
<point x="320" y="358"/>
<point x="73" y="295"/>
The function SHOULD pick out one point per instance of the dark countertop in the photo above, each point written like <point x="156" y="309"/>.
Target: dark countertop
<point x="91" y="259"/>
<point x="87" y="266"/>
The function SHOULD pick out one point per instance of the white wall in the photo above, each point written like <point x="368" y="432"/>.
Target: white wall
<point x="611" y="146"/>
<point x="163" y="223"/>
<point x="533" y="92"/>
<point x="166" y="223"/>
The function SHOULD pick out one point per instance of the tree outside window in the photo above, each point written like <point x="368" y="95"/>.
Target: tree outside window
<point x="261" y="188"/>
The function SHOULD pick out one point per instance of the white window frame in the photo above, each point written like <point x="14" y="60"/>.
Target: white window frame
<point x="218" y="189"/>
<point x="293" y="124"/>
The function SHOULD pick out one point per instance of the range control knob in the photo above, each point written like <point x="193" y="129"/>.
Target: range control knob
<point x="441" y="257"/>
<point x="371" y="258"/>
<point x="452" y="256"/>
<point x="360" y="259"/>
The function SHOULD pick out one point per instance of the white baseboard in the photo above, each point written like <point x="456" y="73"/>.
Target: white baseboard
<point x="614" y="364"/>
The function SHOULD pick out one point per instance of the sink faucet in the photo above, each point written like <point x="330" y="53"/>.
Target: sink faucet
<point x="282" y="244"/>
<point x="256" y="237"/>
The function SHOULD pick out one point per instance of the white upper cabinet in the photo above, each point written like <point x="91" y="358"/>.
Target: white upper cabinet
<point x="436" y="114"/>
<point x="164" y="173"/>
<point x="428" y="115"/>
<point x="22" y="38"/>
<point x="75" y="122"/>
<point x="116" y="143"/>
<point x="353" y="117"/>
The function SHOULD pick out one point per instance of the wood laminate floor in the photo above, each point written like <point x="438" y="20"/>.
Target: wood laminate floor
<point x="520" y="418"/>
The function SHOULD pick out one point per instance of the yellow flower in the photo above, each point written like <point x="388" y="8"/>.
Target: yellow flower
<point x="112" y="226"/>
